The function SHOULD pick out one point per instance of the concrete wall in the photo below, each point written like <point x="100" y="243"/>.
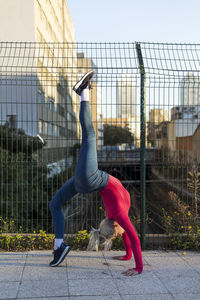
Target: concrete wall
<point x="17" y="20"/>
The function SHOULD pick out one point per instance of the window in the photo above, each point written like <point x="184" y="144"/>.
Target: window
<point x="45" y="126"/>
<point x="56" y="130"/>
<point x="41" y="97"/>
<point x="69" y="117"/>
<point x="180" y="116"/>
<point x="40" y="126"/>
<point x="52" y="104"/>
<point x="192" y="109"/>
<point x="164" y="132"/>
<point x="61" y="110"/>
<point x="49" y="130"/>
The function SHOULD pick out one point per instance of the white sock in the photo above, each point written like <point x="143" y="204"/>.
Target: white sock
<point x="85" y="95"/>
<point x="57" y="243"/>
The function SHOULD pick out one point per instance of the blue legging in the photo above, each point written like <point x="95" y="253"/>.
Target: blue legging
<point x="87" y="177"/>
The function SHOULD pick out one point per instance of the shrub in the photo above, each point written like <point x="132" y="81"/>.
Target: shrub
<point x="183" y="223"/>
<point x="22" y="242"/>
<point x="81" y="240"/>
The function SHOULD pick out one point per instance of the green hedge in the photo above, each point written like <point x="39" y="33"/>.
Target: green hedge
<point x="43" y="241"/>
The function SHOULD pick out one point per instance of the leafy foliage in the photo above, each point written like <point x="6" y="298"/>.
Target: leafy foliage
<point x="114" y="135"/>
<point x="25" y="187"/>
<point x="16" y="141"/>
<point x="183" y="224"/>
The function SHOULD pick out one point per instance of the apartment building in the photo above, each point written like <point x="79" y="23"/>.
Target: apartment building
<point x="190" y="90"/>
<point x="125" y="96"/>
<point x="38" y="69"/>
<point x="156" y="117"/>
<point x="179" y="137"/>
<point x="185" y="112"/>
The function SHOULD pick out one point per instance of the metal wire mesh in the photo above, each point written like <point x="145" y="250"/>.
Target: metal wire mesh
<point x="172" y="110"/>
<point x="36" y="81"/>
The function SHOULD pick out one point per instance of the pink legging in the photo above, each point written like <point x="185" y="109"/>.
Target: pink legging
<point x="130" y="238"/>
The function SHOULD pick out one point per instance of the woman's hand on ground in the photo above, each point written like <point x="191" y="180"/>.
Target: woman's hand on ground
<point x="130" y="272"/>
<point x="118" y="257"/>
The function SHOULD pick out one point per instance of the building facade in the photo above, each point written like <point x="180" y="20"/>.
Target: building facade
<point x="190" y="90"/>
<point x="156" y="117"/>
<point x="125" y="96"/>
<point x="37" y="82"/>
<point x="185" y="112"/>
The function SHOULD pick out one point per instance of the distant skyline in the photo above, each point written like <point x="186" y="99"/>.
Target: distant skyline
<point x="175" y="21"/>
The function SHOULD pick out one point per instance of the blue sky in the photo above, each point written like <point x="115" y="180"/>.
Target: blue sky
<point x="131" y="20"/>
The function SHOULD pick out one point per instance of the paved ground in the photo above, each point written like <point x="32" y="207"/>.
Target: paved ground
<point x="94" y="275"/>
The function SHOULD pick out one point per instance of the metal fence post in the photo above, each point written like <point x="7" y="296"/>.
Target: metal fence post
<point x="142" y="146"/>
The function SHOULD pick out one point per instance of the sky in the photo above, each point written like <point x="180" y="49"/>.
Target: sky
<point x="165" y="21"/>
<point x="176" y="21"/>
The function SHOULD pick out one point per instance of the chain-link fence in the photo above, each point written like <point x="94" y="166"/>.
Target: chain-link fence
<point x="145" y="108"/>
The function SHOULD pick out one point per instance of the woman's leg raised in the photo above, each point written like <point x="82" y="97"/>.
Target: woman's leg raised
<point x="88" y="177"/>
<point x="87" y="164"/>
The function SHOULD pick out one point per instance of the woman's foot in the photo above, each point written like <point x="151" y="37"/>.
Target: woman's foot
<point x="118" y="257"/>
<point x="121" y="257"/>
<point x="83" y="82"/>
<point x="59" y="255"/>
<point x="130" y="272"/>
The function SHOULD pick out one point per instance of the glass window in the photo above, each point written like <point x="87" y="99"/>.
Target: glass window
<point x="41" y="97"/>
<point x="45" y="126"/>
<point x="40" y="126"/>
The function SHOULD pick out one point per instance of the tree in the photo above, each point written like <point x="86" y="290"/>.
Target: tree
<point x="16" y="141"/>
<point x="25" y="189"/>
<point x="114" y="135"/>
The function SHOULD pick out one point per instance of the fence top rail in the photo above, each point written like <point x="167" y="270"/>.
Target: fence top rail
<point x="161" y="59"/>
<point x="104" y="43"/>
<point x="171" y="58"/>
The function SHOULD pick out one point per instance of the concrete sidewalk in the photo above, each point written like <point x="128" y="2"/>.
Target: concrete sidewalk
<point x="94" y="275"/>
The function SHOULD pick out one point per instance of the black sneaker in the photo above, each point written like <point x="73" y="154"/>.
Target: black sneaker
<point x="41" y="139"/>
<point x="83" y="82"/>
<point x="59" y="255"/>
